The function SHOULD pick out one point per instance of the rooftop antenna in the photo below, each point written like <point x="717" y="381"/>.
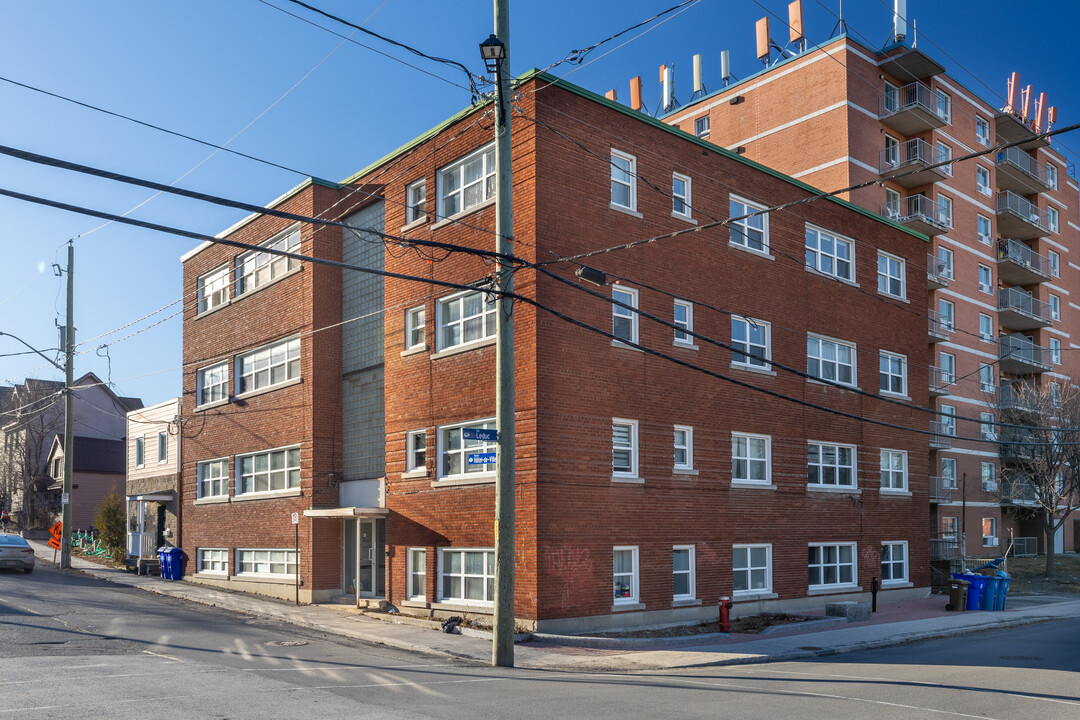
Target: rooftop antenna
<point x="1040" y="109"/>
<point x="667" y="80"/>
<point x="635" y="93"/>
<point x="1012" y="89"/>
<point x="765" y="43"/>
<point x="795" y="23"/>
<point x="840" y="24"/>
<point x="899" y="21"/>
<point x="725" y="67"/>
<point x="699" y="81"/>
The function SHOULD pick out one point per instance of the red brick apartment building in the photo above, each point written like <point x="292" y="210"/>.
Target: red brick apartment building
<point x="1000" y="272"/>
<point x="646" y="488"/>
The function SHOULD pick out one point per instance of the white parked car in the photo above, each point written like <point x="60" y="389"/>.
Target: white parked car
<point x="15" y="552"/>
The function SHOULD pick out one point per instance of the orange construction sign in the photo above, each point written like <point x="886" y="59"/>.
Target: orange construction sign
<point x="57" y="530"/>
<point x="53" y="542"/>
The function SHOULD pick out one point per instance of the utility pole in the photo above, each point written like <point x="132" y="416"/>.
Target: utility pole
<point x="69" y="409"/>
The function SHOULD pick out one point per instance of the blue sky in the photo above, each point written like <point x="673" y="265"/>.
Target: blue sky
<point x="246" y="74"/>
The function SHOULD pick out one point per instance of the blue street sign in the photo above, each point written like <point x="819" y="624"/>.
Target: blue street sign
<point x="480" y="434"/>
<point x="481" y="458"/>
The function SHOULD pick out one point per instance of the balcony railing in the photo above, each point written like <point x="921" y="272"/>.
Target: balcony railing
<point x="911" y="161"/>
<point x="937" y="272"/>
<point x="1019" y="492"/>
<point x="910" y="109"/>
<point x="940" y="380"/>
<point x="1018" y="264"/>
<point x="939" y="327"/>
<point x="1018" y="218"/>
<point x="941" y="434"/>
<point x="1024" y="547"/>
<point x="1017" y="397"/>
<point x="944" y="546"/>
<point x="1019" y="172"/>
<point x="141" y="545"/>
<point x="917" y="212"/>
<point x="941" y="488"/>
<point x="1017" y="310"/>
<point x="1020" y="356"/>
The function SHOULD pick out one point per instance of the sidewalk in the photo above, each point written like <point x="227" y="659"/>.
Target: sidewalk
<point x="893" y="624"/>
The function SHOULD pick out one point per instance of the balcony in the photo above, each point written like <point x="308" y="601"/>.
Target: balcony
<point x="1017" y="310"/>
<point x="1019" y="492"/>
<point x="937" y="272"/>
<point x="911" y="160"/>
<point x="941" y="435"/>
<point x="1018" y="218"/>
<point x="1018" y="264"/>
<point x="944" y="546"/>
<point x="939" y="328"/>
<point x="1019" y="172"/>
<point x="941" y="488"/>
<point x="940" y="381"/>
<point x="1019" y="356"/>
<point x="1017" y="398"/>
<point x="1010" y="128"/>
<point x="917" y="212"/>
<point x="910" y="110"/>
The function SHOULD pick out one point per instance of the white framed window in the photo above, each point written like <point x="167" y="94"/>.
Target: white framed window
<point x="1055" y="351"/>
<point x="683" y="567"/>
<point x="268" y="562"/>
<point x="894" y="565"/>
<point x="454" y="450"/>
<point x="212" y="289"/>
<point x="416" y="201"/>
<point x="417" y="572"/>
<point x="1052" y="219"/>
<point x="751" y="458"/>
<point x="1054" y="260"/>
<point x="830" y="254"/>
<point x="986" y="427"/>
<point x="684" y="322"/>
<point x="1052" y="175"/>
<point x="983" y="230"/>
<point x="268" y="471"/>
<point x="258" y="267"/>
<point x="1055" y="307"/>
<point x="986" y="378"/>
<point x="944" y="154"/>
<point x="416" y="451"/>
<point x="212" y="384"/>
<point x="947" y="314"/>
<point x="892" y="151"/>
<point x="681" y="202"/>
<point x="1055" y="400"/>
<point x="890" y="279"/>
<point x="892" y="203"/>
<point x="893" y="470"/>
<point x="751" y="569"/>
<point x="624" y="448"/>
<point x="268" y="366"/>
<point x="467" y="575"/>
<point x="625" y="574"/>
<point x="465" y="318"/>
<point x="989" y="532"/>
<point x="750" y="342"/>
<point x="949" y="527"/>
<point x="830" y="360"/>
<point x="702" y="126"/>
<point x="623" y="180"/>
<point x="213" y="560"/>
<point x="982" y="179"/>
<point x="946" y="267"/>
<point x="830" y="465"/>
<point x="892" y="373"/>
<point x="944" y="106"/>
<point x="162" y="447"/>
<point x="212" y="478"/>
<point x="988" y="474"/>
<point x="944" y="205"/>
<point x="832" y="565"/>
<point x="986" y="280"/>
<point x="684" y="447"/>
<point x="948" y="368"/>
<point x="140" y="452"/>
<point x="982" y="131"/>
<point x="948" y="472"/>
<point x="624" y="322"/>
<point x="415" y="331"/>
<point x="749" y="232"/>
<point x="892" y="97"/>
<point x="948" y="420"/>
<point x="467" y="182"/>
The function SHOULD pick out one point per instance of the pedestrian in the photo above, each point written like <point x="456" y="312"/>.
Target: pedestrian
<point x="4" y="519"/>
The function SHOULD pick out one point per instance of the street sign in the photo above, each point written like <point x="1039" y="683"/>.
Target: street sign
<point x="296" y="518"/>
<point x="64" y="498"/>
<point x="481" y="458"/>
<point x="57" y="532"/>
<point x="480" y="434"/>
<point x="54" y="543"/>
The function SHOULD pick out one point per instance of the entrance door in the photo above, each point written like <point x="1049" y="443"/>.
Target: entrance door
<point x="348" y="573"/>
<point x="371" y="575"/>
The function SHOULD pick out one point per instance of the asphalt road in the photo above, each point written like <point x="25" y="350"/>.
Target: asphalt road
<point x="72" y="646"/>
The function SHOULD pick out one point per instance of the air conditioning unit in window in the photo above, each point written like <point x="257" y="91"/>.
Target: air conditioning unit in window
<point x="989" y="486"/>
<point x="990" y="542"/>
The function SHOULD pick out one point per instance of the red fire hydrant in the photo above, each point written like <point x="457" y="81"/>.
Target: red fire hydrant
<point x="725" y="614"/>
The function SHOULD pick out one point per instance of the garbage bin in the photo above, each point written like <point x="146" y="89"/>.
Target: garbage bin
<point x="958" y="591"/>
<point x="990" y="593"/>
<point x="163" y="562"/>
<point x="176" y="563"/>
<point x="1003" y="589"/>
<point x="975" y="589"/>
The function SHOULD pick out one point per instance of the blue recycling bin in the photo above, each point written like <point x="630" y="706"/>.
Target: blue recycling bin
<point x="1003" y="589"/>
<point x="975" y="589"/>
<point x="163" y="562"/>
<point x="990" y="593"/>
<point x="175" y="563"/>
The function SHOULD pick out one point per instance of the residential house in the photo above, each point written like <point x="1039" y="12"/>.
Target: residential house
<point x="98" y="470"/>
<point x="153" y="476"/>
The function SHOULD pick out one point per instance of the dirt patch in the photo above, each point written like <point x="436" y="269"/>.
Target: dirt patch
<point x="752" y="625"/>
<point x="1029" y="574"/>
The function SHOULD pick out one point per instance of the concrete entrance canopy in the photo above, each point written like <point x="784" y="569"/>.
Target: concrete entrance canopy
<point x="346" y="512"/>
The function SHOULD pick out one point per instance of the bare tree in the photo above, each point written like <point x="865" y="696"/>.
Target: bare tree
<point x="33" y="417"/>
<point x="1040" y="453"/>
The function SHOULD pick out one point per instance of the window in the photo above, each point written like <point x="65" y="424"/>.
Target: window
<point x="989" y="532"/>
<point x="140" y="454"/>
<point x="212" y="384"/>
<point x="892" y="373"/>
<point x="624" y="448"/>
<point x="986" y="282"/>
<point x="948" y="472"/>
<point x="893" y="562"/>
<point x="468" y="182"/>
<point x="684" y="447"/>
<point x="682" y="570"/>
<point x="468" y="575"/>
<point x="1055" y="351"/>
<point x="454" y="450"/>
<point x="831" y="465"/>
<point x="893" y="470"/>
<point x="892" y="97"/>
<point x="1055" y="399"/>
<point x="701" y="126"/>
<point x="269" y="471"/>
<point x="258" y="267"/>
<point x="417" y="571"/>
<point x="681" y="204"/>
<point x="1052" y="176"/>
<point x="750" y="459"/>
<point x="213" y="560"/>
<point x="750" y="232"/>
<point x="945" y="210"/>
<point x="624" y="321"/>
<point x="982" y="131"/>
<point x="945" y="262"/>
<point x="832" y="565"/>
<point x="416" y="451"/>
<point x="890" y="278"/>
<point x="986" y="430"/>
<point x="162" y="447"/>
<point x="830" y="360"/>
<point x="947" y="314"/>
<point x="986" y="378"/>
<point x="944" y="153"/>
<point x="1052" y="219"/>
<point x="1054" y="262"/>
<point x="266" y="562"/>
<point x="892" y="151"/>
<point x="984" y="230"/>
<point x="750" y="342"/>
<point x="415" y="334"/>
<point x="1055" y="307"/>
<point x="623" y="180"/>
<point x="948" y="368"/>
<point x="944" y="106"/>
<point x="268" y="366"/>
<point x="982" y="179"/>
<point x="625" y="575"/>
<point x="830" y="254"/>
<point x="752" y="569"/>
<point x="212" y="478"/>
<point x="465" y="318"/>
<point x="212" y="289"/>
<point x="892" y="204"/>
<point x="948" y="420"/>
<point x="684" y="322"/>
<point x="416" y="202"/>
<point x="949" y="528"/>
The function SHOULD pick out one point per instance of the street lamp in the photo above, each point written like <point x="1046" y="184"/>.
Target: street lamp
<point x="493" y="51"/>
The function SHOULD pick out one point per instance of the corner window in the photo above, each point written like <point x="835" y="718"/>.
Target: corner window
<point x="751" y="569"/>
<point x="892" y="151"/>
<point x="684" y="447"/>
<point x="830" y="360"/>
<point x="163" y="447"/>
<point x="702" y="126"/>
<point x="749" y="342"/>
<point x="986" y="378"/>
<point x="1055" y="351"/>
<point x="988" y="475"/>
<point x="140" y="452"/>
<point x="274" y="563"/>
<point x="892" y="373"/>
<point x="948" y="368"/>
<point x="212" y="384"/>
<point x="1054" y="262"/>
<point x="625" y="575"/>
<point x="212" y="289"/>
<point x="749" y="232"/>
<point x="890" y="275"/>
<point x="944" y="106"/>
<point x="684" y="322"/>
<point x="982" y="131"/>
<point x="681" y="203"/>
<point x="417" y="572"/>
<point x="624" y="321"/>
<point x="947" y="315"/>
<point x="893" y="470"/>
<point x="623" y="180"/>
<point x="830" y="254"/>
<point x="416" y="451"/>
<point x="982" y="179"/>
<point x="986" y="280"/>
<point x="832" y="565"/>
<point x="416" y="201"/>
<point x="986" y="427"/>
<point x="830" y="465"/>
<point x="415" y="332"/>
<point x="948" y="420"/>
<point x="984" y="230"/>
<point x="945" y="262"/>
<point x="467" y="183"/>
<point x="944" y="155"/>
<point x="1052" y="219"/>
<point x="268" y="366"/>
<point x="213" y="560"/>
<point x="948" y="473"/>
<point x="268" y="471"/>
<point x="750" y="459"/>
<point x="454" y="451"/>
<point x="624" y="455"/>
<point x="1055" y="307"/>
<point x="894" y="562"/>
<point x="682" y="570"/>
<point x="945" y="210"/>
<point x="1052" y="176"/>
<point x="465" y="318"/>
<point x="212" y="478"/>
<point x="258" y="267"/>
<point x="468" y="576"/>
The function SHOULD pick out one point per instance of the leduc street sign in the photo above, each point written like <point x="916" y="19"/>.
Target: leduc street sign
<point x="482" y="434"/>
<point x="481" y="458"/>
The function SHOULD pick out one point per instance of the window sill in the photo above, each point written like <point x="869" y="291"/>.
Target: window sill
<point x="751" y="596"/>
<point x="750" y="485"/>
<point x="684" y="471"/>
<point x="458" y="349"/>
<point x="443" y="222"/>
<point x="213" y="500"/>
<point x="414" y="351"/>
<point x="212" y="575"/>
<point x="685" y="602"/>
<point x="624" y="346"/>
<point x="269" y="495"/>
<point x="214" y="309"/>
<point x="414" y="474"/>
<point x="211" y="406"/>
<point x="895" y="396"/>
<point x="271" y="388"/>
<point x="419" y="222"/>
<point x="416" y="603"/>
<point x="139" y="466"/>
<point x="897" y="298"/>
<point x="760" y="253"/>
<point x="853" y="490"/>
<point x="627" y="480"/>
<point x="834" y="589"/>
<point x="484" y="479"/>
<point x="684" y="218"/>
<point x="896" y="584"/>
<point x="627" y="606"/>
<point x="626" y="210"/>
<point x="274" y="579"/>
<point x="279" y="278"/>
<point x="895" y="493"/>
<point x="845" y="281"/>
<point x="834" y="384"/>
<point x="751" y="368"/>
<point x="685" y="345"/>
<point x="481" y="607"/>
